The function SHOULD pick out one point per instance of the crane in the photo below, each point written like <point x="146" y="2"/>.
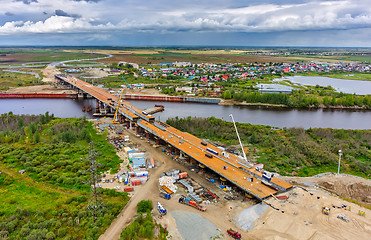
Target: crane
<point x="126" y="82"/>
<point x="243" y="151"/>
<point x="118" y="104"/>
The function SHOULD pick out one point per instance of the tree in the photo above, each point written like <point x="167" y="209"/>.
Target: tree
<point x="36" y="137"/>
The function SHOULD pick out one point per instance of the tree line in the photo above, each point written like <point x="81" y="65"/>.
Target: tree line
<point x="289" y="151"/>
<point x="298" y="98"/>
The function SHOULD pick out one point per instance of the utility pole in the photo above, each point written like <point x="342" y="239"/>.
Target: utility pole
<point x="243" y="151"/>
<point x="340" y="153"/>
<point x="95" y="204"/>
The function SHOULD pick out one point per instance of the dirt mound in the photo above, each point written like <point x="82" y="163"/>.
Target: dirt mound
<point x="357" y="191"/>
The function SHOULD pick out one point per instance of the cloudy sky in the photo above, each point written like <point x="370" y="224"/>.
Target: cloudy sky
<point x="324" y="23"/>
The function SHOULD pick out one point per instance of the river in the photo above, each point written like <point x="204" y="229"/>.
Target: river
<point x="341" y="85"/>
<point x="347" y="119"/>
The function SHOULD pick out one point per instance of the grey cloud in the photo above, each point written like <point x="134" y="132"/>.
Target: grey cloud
<point x="26" y="1"/>
<point x="9" y="14"/>
<point x="62" y="13"/>
<point x="87" y="0"/>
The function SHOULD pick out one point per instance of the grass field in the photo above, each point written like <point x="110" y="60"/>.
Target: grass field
<point x="11" y="80"/>
<point x="13" y="56"/>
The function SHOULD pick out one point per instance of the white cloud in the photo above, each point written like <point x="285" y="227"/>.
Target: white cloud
<point x="134" y="16"/>
<point x="54" y="24"/>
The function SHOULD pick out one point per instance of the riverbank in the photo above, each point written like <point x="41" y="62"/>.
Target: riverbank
<point x="36" y="95"/>
<point x="225" y="102"/>
<point x="40" y="89"/>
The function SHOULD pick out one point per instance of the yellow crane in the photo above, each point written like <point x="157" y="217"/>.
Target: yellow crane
<point x="118" y="104"/>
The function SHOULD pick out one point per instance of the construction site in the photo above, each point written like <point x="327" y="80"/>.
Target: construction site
<point x="193" y="195"/>
<point x="195" y="183"/>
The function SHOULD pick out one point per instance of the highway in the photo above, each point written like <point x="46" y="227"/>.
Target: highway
<point x="227" y="165"/>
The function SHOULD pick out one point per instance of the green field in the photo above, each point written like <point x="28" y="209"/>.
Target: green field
<point x="12" y="80"/>
<point x="43" y="55"/>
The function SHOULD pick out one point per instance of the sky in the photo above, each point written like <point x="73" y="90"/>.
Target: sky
<point x="296" y="23"/>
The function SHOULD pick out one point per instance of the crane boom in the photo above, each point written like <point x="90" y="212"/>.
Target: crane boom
<point x="118" y="104"/>
<point x="243" y="151"/>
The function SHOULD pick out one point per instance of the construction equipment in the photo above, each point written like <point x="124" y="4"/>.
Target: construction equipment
<point x="161" y="209"/>
<point x="234" y="234"/>
<point x="326" y="210"/>
<point x="188" y="201"/>
<point x="165" y="195"/>
<point x="118" y="104"/>
<point x="343" y="217"/>
<point x="166" y="189"/>
<point x="243" y="151"/>
<point x="125" y="82"/>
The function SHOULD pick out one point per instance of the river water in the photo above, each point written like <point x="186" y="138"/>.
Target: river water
<point x="346" y="119"/>
<point x="341" y="85"/>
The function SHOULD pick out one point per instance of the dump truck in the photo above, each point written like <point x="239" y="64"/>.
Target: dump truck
<point x="326" y="210"/>
<point x="166" y="189"/>
<point x="161" y="209"/>
<point x="234" y="234"/>
<point x="165" y="195"/>
<point x="188" y="201"/>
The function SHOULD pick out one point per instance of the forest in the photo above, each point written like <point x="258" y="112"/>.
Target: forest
<point x="289" y="151"/>
<point x="49" y="200"/>
<point x="299" y="98"/>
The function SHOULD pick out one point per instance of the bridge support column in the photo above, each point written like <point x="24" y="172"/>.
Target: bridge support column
<point x="97" y="110"/>
<point x="130" y="125"/>
<point x="147" y="135"/>
<point x="80" y="95"/>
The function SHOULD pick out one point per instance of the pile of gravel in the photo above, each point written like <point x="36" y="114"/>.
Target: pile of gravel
<point x="246" y="219"/>
<point x="193" y="226"/>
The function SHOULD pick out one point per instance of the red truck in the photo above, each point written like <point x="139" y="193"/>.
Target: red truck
<point x="234" y="234"/>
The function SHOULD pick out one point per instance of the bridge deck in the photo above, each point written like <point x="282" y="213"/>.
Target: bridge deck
<point x="106" y="97"/>
<point x="191" y="145"/>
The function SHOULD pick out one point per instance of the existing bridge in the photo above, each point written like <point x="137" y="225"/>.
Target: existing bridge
<point x="227" y="165"/>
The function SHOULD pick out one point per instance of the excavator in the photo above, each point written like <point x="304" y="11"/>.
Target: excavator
<point x="114" y="120"/>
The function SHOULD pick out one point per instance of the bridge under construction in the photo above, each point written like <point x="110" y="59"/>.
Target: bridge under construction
<point x="250" y="179"/>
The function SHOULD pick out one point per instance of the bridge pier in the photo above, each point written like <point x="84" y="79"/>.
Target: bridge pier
<point x="97" y="106"/>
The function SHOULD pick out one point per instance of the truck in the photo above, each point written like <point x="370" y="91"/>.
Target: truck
<point x="212" y="151"/>
<point x="161" y="209"/>
<point x="234" y="234"/>
<point x="188" y="201"/>
<point x="165" y="195"/>
<point x="166" y="189"/>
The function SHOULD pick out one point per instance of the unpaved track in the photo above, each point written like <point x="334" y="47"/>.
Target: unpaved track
<point x="141" y="193"/>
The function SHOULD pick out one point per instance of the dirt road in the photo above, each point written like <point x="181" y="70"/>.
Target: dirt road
<point x="141" y="193"/>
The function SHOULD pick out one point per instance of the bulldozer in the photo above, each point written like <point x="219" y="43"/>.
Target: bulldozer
<point x="326" y="210"/>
